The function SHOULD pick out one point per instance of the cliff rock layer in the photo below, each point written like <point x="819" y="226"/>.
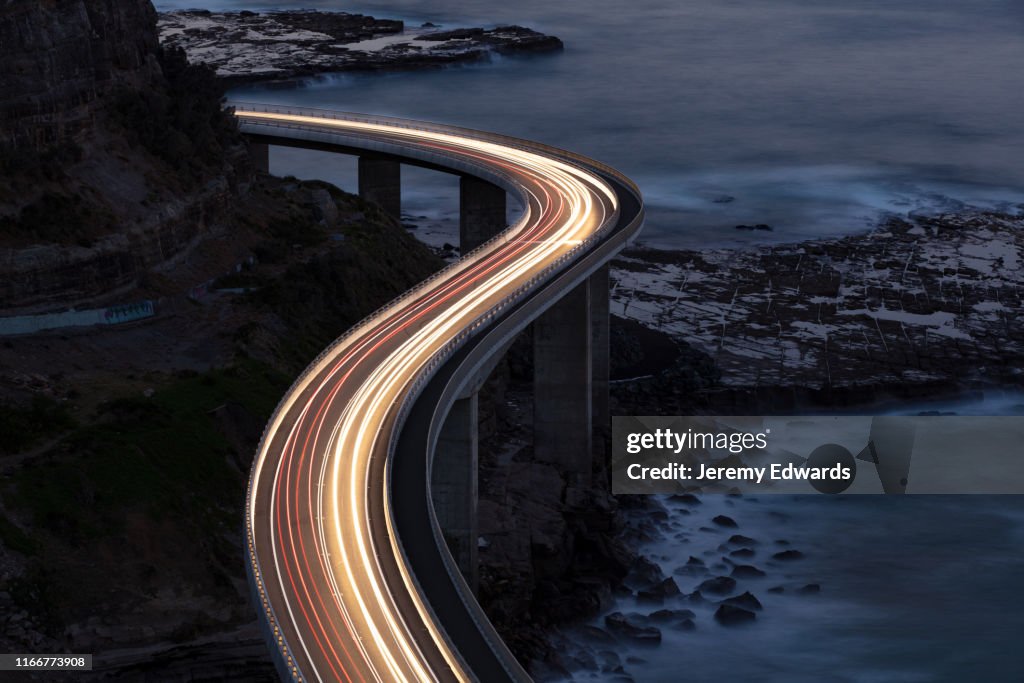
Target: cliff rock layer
<point x="60" y="56"/>
<point x="115" y="154"/>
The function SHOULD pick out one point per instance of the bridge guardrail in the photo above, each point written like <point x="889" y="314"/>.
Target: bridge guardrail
<point x="511" y="141"/>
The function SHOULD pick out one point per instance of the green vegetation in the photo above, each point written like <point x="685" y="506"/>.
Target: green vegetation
<point x="184" y="124"/>
<point x="21" y="427"/>
<point x="58" y="218"/>
<point x="14" y="538"/>
<point x="52" y="216"/>
<point x="145" y="497"/>
<point x="163" y="455"/>
<point x="145" y="466"/>
<point x="26" y="166"/>
<point x="321" y="298"/>
<point x="34" y="592"/>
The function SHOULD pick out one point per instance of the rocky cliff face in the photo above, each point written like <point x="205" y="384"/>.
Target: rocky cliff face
<point x="60" y="56"/>
<point x="115" y="156"/>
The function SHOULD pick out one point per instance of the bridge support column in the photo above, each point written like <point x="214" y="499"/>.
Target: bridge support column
<point x="380" y="182"/>
<point x="601" y="372"/>
<point x="454" y="485"/>
<point x="260" y="155"/>
<point x="562" y="391"/>
<point x="481" y="212"/>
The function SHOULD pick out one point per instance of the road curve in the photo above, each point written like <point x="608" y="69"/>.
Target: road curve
<point x="346" y="560"/>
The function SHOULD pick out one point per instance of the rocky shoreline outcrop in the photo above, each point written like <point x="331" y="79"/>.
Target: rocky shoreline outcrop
<point x="288" y="45"/>
<point x="918" y="307"/>
<point x="702" y="573"/>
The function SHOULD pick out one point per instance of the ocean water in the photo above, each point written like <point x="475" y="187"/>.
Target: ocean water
<point x="817" y="116"/>
<point x="913" y="589"/>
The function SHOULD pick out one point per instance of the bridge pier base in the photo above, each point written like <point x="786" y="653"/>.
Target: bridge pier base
<point x="454" y="488"/>
<point x="562" y="389"/>
<point x="260" y="155"/>
<point x="380" y="182"/>
<point x="600" y="371"/>
<point x="481" y="212"/>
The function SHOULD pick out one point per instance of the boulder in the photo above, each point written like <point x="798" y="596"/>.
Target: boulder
<point x="747" y="571"/>
<point x="685" y="499"/>
<point x="788" y="555"/>
<point x="729" y="615"/>
<point x="719" y="585"/>
<point x="664" y="615"/>
<point x="723" y="520"/>
<point x="741" y="540"/>
<point x="746" y="600"/>
<point x="619" y="624"/>
<point x="644" y="572"/>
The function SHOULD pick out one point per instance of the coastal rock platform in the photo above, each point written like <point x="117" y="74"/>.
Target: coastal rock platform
<point x="282" y="46"/>
<point x="924" y="301"/>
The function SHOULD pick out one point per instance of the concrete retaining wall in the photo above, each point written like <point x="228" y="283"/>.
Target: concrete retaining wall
<point x="113" y="315"/>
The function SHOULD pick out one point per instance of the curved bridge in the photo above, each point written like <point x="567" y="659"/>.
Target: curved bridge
<point x="347" y="559"/>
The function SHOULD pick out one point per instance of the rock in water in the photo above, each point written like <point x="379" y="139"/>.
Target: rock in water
<point x="662" y="615"/>
<point x="747" y="571"/>
<point x="685" y="499"/>
<point x="720" y="585"/>
<point x="726" y="521"/>
<point x="643" y="572"/>
<point x="728" y="615"/>
<point x="741" y="540"/>
<point x="619" y="624"/>
<point x="659" y="591"/>
<point x="788" y="555"/>
<point x="746" y="600"/>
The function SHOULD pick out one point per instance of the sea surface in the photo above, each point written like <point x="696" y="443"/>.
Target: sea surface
<point x="820" y="118"/>
<point x="817" y="117"/>
<point x="913" y="588"/>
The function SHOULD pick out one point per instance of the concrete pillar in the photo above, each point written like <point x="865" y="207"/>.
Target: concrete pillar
<point x="600" y="337"/>
<point x="562" y="390"/>
<point x="481" y="212"/>
<point x="453" y="485"/>
<point x="380" y="182"/>
<point x="260" y="155"/>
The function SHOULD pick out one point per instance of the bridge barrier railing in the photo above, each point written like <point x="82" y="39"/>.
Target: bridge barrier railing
<point x="472" y="133"/>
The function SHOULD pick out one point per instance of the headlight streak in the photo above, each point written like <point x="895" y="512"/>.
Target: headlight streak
<point x="567" y="204"/>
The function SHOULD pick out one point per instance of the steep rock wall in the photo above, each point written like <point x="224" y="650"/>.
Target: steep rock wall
<point x="59" y="57"/>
